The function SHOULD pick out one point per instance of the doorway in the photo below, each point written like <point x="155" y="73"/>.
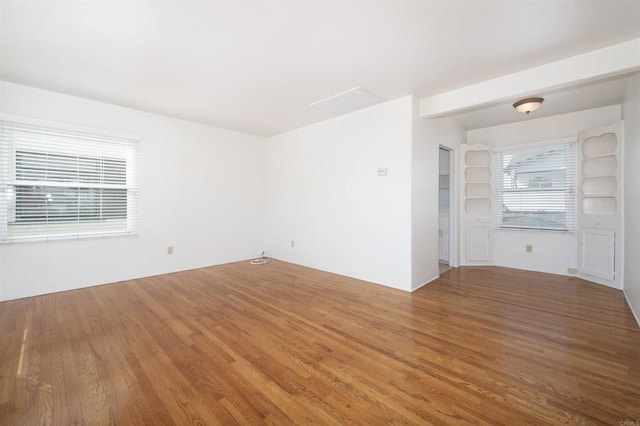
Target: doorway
<point x="444" y="207"/>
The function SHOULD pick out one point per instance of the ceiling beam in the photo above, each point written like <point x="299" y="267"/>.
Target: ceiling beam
<point x="588" y="67"/>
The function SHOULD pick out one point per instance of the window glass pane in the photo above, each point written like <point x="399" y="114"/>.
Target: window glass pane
<point x="47" y="167"/>
<point x="114" y="171"/>
<point x="535" y="188"/>
<point x="35" y="204"/>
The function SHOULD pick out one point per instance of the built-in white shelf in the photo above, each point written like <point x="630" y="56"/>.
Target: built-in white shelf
<point x="477" y="188"/>
<point x="599" y="168"/>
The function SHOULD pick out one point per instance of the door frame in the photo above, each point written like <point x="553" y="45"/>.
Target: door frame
<point x="454" y="259"/>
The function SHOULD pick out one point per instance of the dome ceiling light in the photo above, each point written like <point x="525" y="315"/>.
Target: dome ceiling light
<point x="527" y="106"/>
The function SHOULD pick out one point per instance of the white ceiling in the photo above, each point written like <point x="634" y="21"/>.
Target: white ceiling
<point x="256" y="66"/>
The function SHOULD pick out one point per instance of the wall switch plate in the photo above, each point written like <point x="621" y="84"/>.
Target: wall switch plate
<point x="529" y="248"/>
<point x="382" y="171"/>
<point x="293" y="243"/>
<point x="170" y="250"/>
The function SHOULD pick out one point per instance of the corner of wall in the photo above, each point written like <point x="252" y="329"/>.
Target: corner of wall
<point x="323" y="191"/>
<point x="204" y="155"/>
<point x="631" y="116"/>
<point x="427" y="137"/>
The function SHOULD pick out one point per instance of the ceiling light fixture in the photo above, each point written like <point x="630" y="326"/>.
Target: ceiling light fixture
<point x="527" y="106"/>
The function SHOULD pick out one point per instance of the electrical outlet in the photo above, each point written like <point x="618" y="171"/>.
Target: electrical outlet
<point x="529" y="248"/>
<point x="382" y="171"/>
<point x="572" y="271"/>
<point x="170" y="250"/>
<point x="293" y="243"/>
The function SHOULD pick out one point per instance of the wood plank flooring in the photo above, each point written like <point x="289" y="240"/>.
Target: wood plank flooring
<point x="284" y="344"/>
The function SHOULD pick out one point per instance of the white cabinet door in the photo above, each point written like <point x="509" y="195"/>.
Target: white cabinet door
<point x="597" y="248"/>
<point x="478" y="242"/>
<point x="476" y="205"/>
<point x="600" y="204"/>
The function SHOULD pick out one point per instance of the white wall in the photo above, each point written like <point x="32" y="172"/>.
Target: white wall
<point x="552" y="252"/>
<point x="323" y="193"/>
<point x="211" y="193"/>
<point x="631" y="114"/>
<point x="201" y="191"/>
<point x="428" y="135"/>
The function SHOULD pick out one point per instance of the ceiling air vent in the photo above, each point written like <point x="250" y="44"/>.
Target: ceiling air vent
<point x="342" y="103"/>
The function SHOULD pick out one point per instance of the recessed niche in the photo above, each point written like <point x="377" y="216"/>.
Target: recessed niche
<point x="477" y="159"/>
<point x="477" y="190"/>
<point x="602" y="166"/>
<point x="599" y="205"/>
<point x="477" y="174"/>
<point x="478" y="206"/>
<point x="599" y="146"/>
<point x="606" y="185"/>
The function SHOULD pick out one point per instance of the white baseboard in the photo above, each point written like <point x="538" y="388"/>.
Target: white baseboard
<point x="635" y="315"/>
<point x="423" y="284"/>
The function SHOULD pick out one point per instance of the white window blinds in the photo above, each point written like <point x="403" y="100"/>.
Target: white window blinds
<point x="60" y="183"/>
<point x="535" y="188"/>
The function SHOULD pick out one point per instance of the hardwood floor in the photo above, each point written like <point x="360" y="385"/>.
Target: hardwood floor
<point x="281" y="344"/>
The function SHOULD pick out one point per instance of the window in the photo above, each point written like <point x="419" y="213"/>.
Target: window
<point x="535" y="187"/>
<point x="58" y="183"/>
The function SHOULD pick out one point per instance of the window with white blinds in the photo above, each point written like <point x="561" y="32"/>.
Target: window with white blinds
<point x="61" y="183"/>
<point x="535" y="187"/>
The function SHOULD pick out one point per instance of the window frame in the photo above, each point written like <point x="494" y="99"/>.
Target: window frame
<point x="69" y="143"/>
<point x="569" y="189"/>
